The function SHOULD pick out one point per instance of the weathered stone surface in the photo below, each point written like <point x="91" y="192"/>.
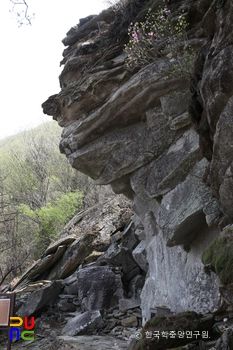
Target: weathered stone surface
<point x="130" y="275"/>
<point x="118" y="256"/>
<point x="184" y="270"/>
<point x="211" y="112"/>
<point x="139" y="255"/>
<point x="74" y="256"/>
<point x="171" y="168"/>
<point x="40" y="298"/>
<point x="129" y="239"/>
<point x="66" y="241"/>
<point x="84" y="323"/>
<point x="130" y="321"/>
<point x="181" y="215"/>
<point x="131" y="129"/>
<point x="126" y="304"/>
<point x="135" y="286"/>
<point x="97" y="288"/>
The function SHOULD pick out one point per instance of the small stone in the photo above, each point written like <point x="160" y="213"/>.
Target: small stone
<point x="130" y="311"/>
<point x="111" y="325"/>
<point x="127" y="333"/>
<point x="130" y="322"/>
<point x="113" y="320"/>
<point x="46" y="326"/>
<point x="66" y="296"/>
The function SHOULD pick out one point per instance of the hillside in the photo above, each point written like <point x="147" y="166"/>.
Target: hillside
<point x="17" y="141"/>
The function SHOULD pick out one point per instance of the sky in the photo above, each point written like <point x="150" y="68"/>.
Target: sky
<point x="30" y="58"/>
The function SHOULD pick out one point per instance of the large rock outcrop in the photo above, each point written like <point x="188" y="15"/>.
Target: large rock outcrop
<point x="164" y="147"/>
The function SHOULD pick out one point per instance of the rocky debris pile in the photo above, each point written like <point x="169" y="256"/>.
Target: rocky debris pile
<point x="102" y="296"/>
<point x="86" y="237"/>
<point x="121" y="324"/>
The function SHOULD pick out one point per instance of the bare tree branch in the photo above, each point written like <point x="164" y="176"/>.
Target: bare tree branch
<point x="22" y="15"/>
<point x="11" y="268"/>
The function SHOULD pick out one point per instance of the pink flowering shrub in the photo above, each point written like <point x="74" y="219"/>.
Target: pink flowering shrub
<point x="160" y="35"/>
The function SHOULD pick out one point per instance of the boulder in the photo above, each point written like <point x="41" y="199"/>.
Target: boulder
<point x="117" y="256"/>
<point x="131" y="321"/>
<point x="97" y="287"/>
<point x="40" y="298"/>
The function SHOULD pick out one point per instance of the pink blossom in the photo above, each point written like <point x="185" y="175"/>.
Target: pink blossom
<point x="135" y="36"/>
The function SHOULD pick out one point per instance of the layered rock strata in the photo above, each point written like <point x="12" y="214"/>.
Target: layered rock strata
<point x="164" y="147"/>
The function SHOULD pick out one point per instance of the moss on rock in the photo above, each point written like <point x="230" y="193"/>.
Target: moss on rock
<point x="219" y="255"/>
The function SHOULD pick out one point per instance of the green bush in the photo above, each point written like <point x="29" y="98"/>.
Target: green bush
<point x="50" y="219"/>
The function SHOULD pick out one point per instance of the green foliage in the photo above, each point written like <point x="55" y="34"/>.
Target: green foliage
<point x="35" y="171"/>
<point x="160" y="35"/>
<point x="50" y="219"/>
<point x="53" y="216"/>
<point x="39" y="192"/>
<point x="220" y="255"/>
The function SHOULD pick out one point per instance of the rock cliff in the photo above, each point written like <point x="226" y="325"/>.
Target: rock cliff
<point x="164" y="143"/>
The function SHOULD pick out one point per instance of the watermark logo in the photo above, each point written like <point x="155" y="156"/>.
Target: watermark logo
<point x="15" y="331"/>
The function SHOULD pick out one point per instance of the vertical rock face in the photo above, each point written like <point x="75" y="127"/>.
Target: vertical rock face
<point x="167" y="149"/>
